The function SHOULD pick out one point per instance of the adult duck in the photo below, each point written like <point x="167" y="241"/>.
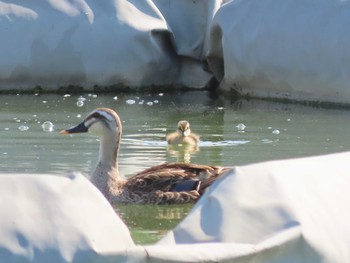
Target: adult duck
<point x="168" y="183"/>
<point x="183" y="135"/>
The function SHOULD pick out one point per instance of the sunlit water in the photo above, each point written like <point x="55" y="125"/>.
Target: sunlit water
<point x="232" y="133"/>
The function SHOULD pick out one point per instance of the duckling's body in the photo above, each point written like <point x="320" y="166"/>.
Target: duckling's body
<point x="183" y="135"/>
<point x="168" y="183"/>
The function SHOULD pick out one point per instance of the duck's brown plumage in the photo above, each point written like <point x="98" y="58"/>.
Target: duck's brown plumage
<point x="168" y="183"/>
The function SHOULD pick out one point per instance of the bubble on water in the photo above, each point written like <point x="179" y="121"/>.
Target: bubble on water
<point x="94" y="96"/>
<point x="6" y="128"/>
<point x="66" y="95"/>
<point x="47" y="126"/>
<point x="160" y="94"/>
<point x="18" y="120"/>
<point x="155" y="101"/>
<point x="241" y="127"/>
<point x="44" y="101"/>
<point x="115" y="98"/>
<point x="141" y="102"/>
<point x="81" y="98"/>
<point x="220" y="108"/>
<point x="276" y="131"/>
<point x="80" y="103"/>
<point x="78" y="115"/>
<point x="130" y="102"/>
<point x="23" y="128"/>
<point x="288" y="119"/>
<point x="150" y="103"/>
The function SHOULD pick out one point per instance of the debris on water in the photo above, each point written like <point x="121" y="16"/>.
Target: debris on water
<point x="23" y="128"/>
<point x="47" y="126"/>
<point x="130" y="102"/>
<point x="276" y="131"/>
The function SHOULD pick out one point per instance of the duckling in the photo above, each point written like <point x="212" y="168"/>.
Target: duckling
<point x="169" y="183"/>
<point x="183" y="135"/>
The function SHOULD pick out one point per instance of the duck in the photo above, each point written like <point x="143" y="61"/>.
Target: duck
<point x="167" y="183"/>
<point x="183" y="135"/>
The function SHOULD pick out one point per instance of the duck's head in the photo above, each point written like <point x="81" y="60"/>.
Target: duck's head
<point x="183" y="128"/>
<point x="101" y="122"/>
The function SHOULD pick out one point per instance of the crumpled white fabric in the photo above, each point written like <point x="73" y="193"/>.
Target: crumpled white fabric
<point x="279" y="211"/>
<point x="47" y="218"/>
<point x="283" y="49"/>
<point x="57" y="43"/>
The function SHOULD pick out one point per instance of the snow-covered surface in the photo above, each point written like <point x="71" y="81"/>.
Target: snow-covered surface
<point x="280" y="211"/>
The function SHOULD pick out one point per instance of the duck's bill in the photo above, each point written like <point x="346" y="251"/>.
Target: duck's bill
<point x="76" y="129"/>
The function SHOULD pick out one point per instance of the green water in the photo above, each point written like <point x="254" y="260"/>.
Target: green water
<point x="272" y="131"/>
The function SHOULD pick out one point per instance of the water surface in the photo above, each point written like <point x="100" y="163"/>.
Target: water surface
<point x="232" y="133"/>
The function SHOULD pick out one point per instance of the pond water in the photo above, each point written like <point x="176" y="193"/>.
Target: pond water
<point x="232" y="132"/>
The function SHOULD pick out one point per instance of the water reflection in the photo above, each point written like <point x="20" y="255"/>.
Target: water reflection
<point x="182" y="152"/>
<point x="149" y="223"/>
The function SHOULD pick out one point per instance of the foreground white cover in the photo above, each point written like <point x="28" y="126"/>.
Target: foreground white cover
<point x="280" y="211"/>
<point x="284" y="49"/>
<point x="46" y="218"/>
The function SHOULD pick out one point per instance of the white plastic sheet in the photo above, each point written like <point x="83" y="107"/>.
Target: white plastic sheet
<point x="46" y="218"/>
<point x="283" y="49"/>
<point x="279" y="211"/>
<point x="58" y="43"/>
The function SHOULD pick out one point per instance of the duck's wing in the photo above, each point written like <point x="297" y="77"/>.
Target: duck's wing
<point x="175" y="180"/>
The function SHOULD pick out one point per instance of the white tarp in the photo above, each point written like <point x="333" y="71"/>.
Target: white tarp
<point x="280" y="211"/>
<point x="56" y="43"/>
<point x="285" y="49"/>
<point x="46" y="218"/>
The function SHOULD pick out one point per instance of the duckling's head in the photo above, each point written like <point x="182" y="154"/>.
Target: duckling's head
<point x="102" y="122"/>
<point x="183" y="128"/>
